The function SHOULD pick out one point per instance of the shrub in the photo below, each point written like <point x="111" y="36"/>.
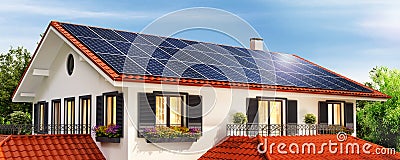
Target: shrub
<point x="19" y="117"/>
<point x="310" y="118"/>
<point x="171" y="132"/>
<point x="239" y="118"/>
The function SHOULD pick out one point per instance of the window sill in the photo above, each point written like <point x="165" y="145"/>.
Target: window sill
<point x="171" y="140"/>
<point x="108" y="139"/>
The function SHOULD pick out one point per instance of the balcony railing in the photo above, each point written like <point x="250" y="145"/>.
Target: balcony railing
<point x="284" y="129"/>
<point x="14" y="129"/>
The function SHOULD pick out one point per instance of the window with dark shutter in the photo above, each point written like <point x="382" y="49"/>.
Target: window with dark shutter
<point x="169" y="109"/>
<point x="291" y="117"/>
<point x="56" y="116"/>
<point x="41" y="117"/>
<point x="119" y="111"/>
<point x="110" y="109"/>
<point x="252" y="110"/>
<point x="323" y="113"/>
<point x="146" y="111"/>
<point x="99" y="111"/>
<point x="349" y="115"/>
<point x="291" y="113"/>
<point x="85" y="105"/>
<point x="195" y="110"/>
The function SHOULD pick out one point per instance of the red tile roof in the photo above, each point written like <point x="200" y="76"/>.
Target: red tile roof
<point x="193" y="82"/>
<point x="247" y="148"/>
<point x="62" y="146"/>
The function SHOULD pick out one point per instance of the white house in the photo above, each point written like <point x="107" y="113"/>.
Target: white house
<point x="82" y="76"/>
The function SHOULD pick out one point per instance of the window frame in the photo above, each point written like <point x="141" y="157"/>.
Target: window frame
<point x="341" y="114"/>
<point x="41" y="116"/>
<point x="184" y="107"/>
<point x="283" y="102"/>
<point x="66" y="122"/>
<point x="113" y="108"/>
<point x="85" y="128"/>
<point x="56" y="126"/>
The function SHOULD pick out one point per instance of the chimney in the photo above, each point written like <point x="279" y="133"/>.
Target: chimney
<point x="256" y="43"/>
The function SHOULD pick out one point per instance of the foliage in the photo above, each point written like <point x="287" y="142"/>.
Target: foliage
<point x="310" y="118"/>
<point x="19" y="117"/>
<point x="112" y="131"/>
<point x="239" y="118"/>
<point x="379" y="122"/>
<point x="12" y="66"/>
<point x="171" y="132"/>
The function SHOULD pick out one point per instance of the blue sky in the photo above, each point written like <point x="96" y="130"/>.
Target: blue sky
<point x="349" y="37"/>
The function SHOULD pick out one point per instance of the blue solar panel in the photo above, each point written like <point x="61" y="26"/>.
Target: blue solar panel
<point x="78" y="30"/>
<point x="108" y="34"/>
<point x="140" y="54"/>
<point x="127" y="35"/>
<point x="99" y="45"/>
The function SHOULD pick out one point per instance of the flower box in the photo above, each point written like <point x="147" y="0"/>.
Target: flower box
<point x="171" y="140"/>
<point x="108" y="139"/>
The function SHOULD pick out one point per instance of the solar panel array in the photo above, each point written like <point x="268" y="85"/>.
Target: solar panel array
<point x="141" y="54"/>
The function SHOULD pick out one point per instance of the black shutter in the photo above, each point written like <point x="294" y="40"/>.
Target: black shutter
<point x="46" y="117"/>
<point x="147" y="110"/>
<point x="195" y="112"/>
<point x="349" y="115"/>
<point x="291" y="118"/>
<point x="252" y="110"/>
<point x="323" y="113"/>
<point x="291" y="113"/>
<point x="120" y="112"/>
<point x="36" y="117"/>
<point x="99" y="110"/>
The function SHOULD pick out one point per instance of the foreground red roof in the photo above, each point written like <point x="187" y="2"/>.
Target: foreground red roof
<point x="248" y="148"/>
<point x="60" y="147"/>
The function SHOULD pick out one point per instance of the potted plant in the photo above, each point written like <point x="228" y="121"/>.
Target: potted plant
<point x="163" y="134"/>
<point x="239" y="118"/>
<point x="109" y="134"/>
<point x="310" y="119"/>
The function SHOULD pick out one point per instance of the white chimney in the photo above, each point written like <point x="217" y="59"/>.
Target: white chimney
<point x="256" y="43"/>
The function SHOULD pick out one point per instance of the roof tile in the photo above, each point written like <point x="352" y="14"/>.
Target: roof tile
<point x="246" y="148"/>
<point x="49" y="147"/>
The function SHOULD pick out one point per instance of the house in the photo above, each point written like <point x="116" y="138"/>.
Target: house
<point x="83" y="76"/>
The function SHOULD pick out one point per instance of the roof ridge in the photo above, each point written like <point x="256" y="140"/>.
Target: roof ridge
<point x="5" y="140"/>
<point x="149" y="34"/>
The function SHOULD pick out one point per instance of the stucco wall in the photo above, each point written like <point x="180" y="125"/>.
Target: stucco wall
<point x="85" y="80"/>
<point x="218" y="106"/>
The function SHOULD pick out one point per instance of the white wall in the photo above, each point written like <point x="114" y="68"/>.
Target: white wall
<point x="85" y="80"/>
<point x="218" y="106"/>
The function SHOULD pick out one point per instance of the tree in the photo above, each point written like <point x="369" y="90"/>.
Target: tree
<point x="379" y="122"/>
<point x="12" y="66"/>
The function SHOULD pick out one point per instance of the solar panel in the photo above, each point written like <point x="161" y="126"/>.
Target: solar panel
<point x="108" y="34"/>
<point x="141" y="54"/>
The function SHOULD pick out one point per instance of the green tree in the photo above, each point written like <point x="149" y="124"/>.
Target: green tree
<point x="379" y="122"/>
<point x="12" y="66"/>
<point x="19" y="117"/>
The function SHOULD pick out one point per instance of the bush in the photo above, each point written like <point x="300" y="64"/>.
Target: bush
<point x="310" y="118"/>
<point x="19" y="117"/>
<point x="239" y="118"/>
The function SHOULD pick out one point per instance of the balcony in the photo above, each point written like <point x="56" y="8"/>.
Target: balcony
<point x="16" y="129"/>
<point x="285" y="129"/>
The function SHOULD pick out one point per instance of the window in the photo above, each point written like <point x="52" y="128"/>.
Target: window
<point x="56" y="116"/>
<point x="160" y="108"/>
<point x="334" y="113"/>
<point x="70" y="64"/>
<point x="270" y="112"/>
<point x="85" y="115"/>
<point x="169" y="110"/>
<point x="110" y="109"/>
<point x="41" y="117"/>
<point x="69" y="114"/>
<point x="111" y="106"/>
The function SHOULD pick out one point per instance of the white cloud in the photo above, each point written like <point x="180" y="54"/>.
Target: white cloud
<point x="383" y="24"/>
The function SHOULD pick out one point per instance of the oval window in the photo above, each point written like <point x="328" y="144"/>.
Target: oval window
<point x="70" y="64"/>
